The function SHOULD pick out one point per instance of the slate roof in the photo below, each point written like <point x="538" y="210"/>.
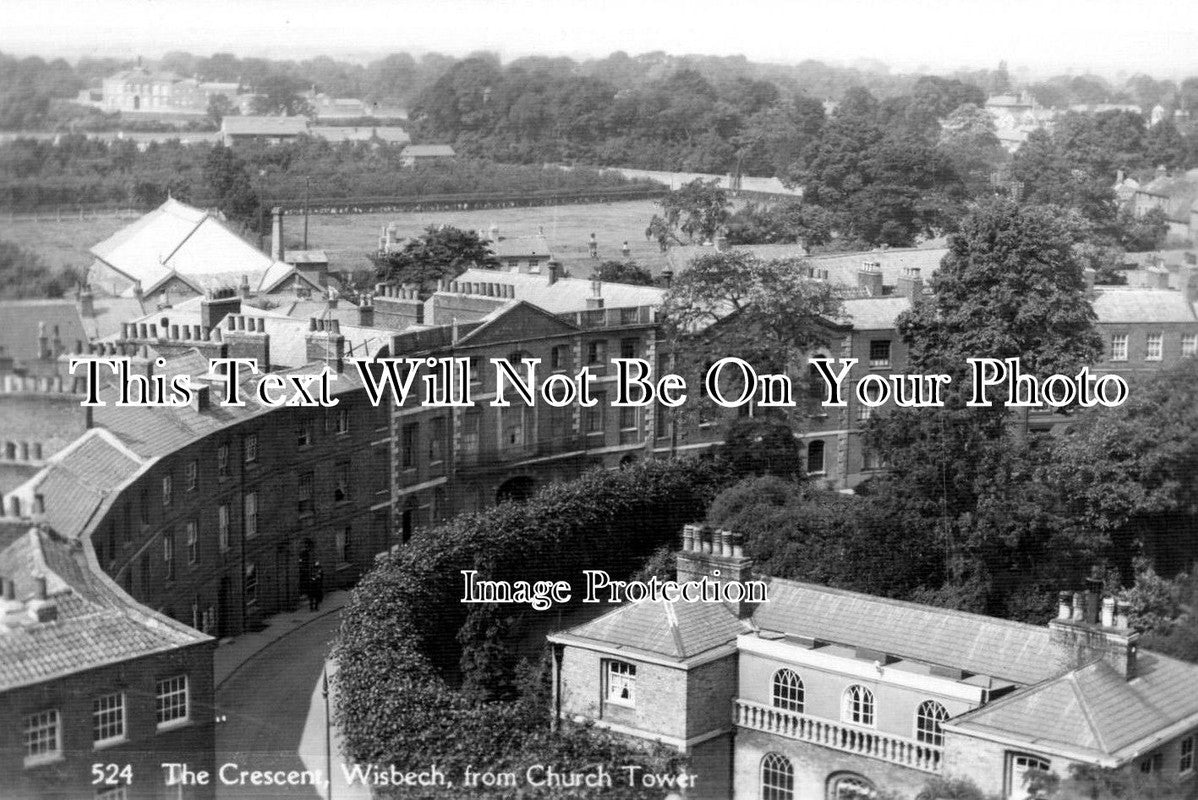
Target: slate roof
<point x="97" y="623"/>
<point x="1094" y="708"/>
<point x="675" y="630"/>
<point x="1117" y="304"/>
<point x="985" y="645"/>
<point x="190" y="243"/>
<point x="875" y="313"/>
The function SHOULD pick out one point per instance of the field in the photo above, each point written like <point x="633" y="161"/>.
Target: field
<point x="347" y="238"/>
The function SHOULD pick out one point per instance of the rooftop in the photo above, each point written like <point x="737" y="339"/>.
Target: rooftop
<point x="178" y="240"/>
<point x="93" y="623"/>
<point x="428" y="151"/>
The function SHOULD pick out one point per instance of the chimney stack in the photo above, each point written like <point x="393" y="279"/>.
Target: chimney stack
<point x="869" y="277"/>
<point x="1089" y="627"/>
<point x="595" y="301"/>
<point x="910" y="284"/>
<point x="366" y="311"/>
<point x="87" y="303"/>
<point x="717" y="555"/>
<point x="554" y="271"/>
<point x="276" y="234"/>
<point x="325" y="342"/>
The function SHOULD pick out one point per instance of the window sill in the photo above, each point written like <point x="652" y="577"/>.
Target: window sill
<point x="43" y="760"/>
<point x="174" y="724"/>
<point x="105" y="744"/>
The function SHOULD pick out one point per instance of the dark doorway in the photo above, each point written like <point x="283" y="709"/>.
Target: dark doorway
<point x="222" y="608"/>
<point x="305" y="565"/>
<point x="407" y="521"/>
<point x="515" y="489"/>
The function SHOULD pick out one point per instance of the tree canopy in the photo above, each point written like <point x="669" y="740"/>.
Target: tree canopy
<point x="440" y="252"/>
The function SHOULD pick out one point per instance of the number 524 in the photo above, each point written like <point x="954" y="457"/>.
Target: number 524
<point x="111" y="774"/>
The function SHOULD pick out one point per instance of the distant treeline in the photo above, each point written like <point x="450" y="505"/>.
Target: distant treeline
<point x="81" y="172"/>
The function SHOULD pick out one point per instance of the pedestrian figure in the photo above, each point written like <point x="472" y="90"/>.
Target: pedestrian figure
<point x="626" y="251"/>
<point x="594" y="245"/>
<point x="315" y="587"/>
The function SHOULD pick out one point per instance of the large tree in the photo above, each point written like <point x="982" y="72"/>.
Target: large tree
<point x="228" y="179"/>
<point x="698" y="209"/>
<point x="280" y="94"/>
<point x="440" y="252"/>
<point x="1010" y="286"/>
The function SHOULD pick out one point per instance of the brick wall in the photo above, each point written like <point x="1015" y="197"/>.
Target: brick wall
<point x="146" y="748"/>
<point x="661" y="694"/>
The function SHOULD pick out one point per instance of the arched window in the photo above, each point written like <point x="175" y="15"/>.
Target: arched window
<point x="815" y="457"/>
<point x="928" y="717"/>
<point x="847" y="786"/>
<point x="777" y="778"/>
<point x="788" y="691"/>
<point x="858" y="705"/>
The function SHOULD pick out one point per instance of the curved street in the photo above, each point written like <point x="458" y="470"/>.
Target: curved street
<point x="274" y="713"/>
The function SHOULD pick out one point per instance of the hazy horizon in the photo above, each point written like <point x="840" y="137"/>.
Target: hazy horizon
<point x="1102" y="37"/>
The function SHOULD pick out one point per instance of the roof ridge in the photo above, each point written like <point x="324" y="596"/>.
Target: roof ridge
<point x="672" y="620"/>
<point x="1022" y="626"/>
<point x="1071" y="677"/>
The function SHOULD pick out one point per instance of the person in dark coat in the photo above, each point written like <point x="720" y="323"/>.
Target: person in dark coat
<point x="315" y="587"/>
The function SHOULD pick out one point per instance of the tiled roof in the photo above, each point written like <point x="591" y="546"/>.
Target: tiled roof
<point x="264" y="126"/>
<point x="97" y="624"/>
<point x="842" y="268"/>
<point x="79" y="480"/>
<point x="154" y="432"/>
<point x="675" y="630"/>
<point x="176" y="239"/>
<point x="20" y="320"/>
<point x="1094" y="708"/>
<point x="1117" y="304"/>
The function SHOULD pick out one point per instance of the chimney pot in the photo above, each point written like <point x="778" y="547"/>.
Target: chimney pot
<point x="1108" y="612"/>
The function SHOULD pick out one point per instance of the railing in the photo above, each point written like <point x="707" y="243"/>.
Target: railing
<point x="839" y="736"/>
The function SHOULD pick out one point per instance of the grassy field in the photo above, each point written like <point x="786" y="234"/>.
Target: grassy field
<point x="348" y="238"/>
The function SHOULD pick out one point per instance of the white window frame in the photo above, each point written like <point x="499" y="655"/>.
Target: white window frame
<point x="193" y="542"/>
<point x="787" y="691"/>
<point x="928" y="718"/>
<point x="168" y="486"/>
<point x="168" y="553"/>
<point x="619" y="678"/>
<point x="108" y="713"/>
<point x="166" y="694"/>
<point x="38" y="729"/>
<point x="858" y="706"/>
<point x="250" y="509"/>
<point x="342" y="421"/>
<point x="192" y="474"/>
<point x="251" y="448"/>
<point x="1119" y="347"/>
<point x="776" y="766"/>
<point x="1154" y="348"/>
<point x="222" y="526"/>
<point x="1018" y="765"/>
<point x="1189" y="344"/>
<point x="880" y="362"/>
<point x="1185" y="761"/>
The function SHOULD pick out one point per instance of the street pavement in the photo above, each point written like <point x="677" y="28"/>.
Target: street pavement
<point x="269" y="693"/>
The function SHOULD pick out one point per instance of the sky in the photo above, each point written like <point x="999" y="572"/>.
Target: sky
<point x="1159" y="37"/>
